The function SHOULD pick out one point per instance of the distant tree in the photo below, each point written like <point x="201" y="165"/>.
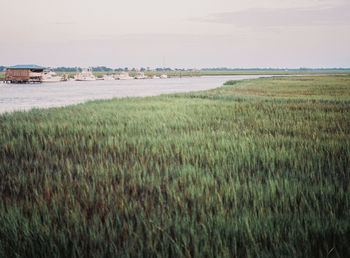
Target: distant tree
<point x="2" y="68"/>
<point x="66" y="69"/>
<point x="126" y="69"/>
<point x="142" y="69"/>
<point x="102" y="69"/>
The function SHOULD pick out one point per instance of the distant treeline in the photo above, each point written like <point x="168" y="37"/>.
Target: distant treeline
<point x="273" y="69"/>
<point x="167" y="69"/>
<point x="107" y="69"/>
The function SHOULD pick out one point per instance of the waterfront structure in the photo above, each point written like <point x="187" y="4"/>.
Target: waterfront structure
<point x="24" y="73"/>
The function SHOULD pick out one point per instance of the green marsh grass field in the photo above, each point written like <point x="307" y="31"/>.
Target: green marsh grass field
<point x="256" y="168"/>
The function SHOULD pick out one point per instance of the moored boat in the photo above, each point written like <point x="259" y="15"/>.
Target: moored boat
<point x="108" y="77"/>
<point x="141" y="76"/>
<point x="49" y="76"/>
<point x="85" y="75"/>
<point x="123" y="76"/>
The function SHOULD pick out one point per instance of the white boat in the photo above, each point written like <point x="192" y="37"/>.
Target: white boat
<point x="85" y="75"/>
<point x="141" y="76"/>
<point x="155" y="77"/>
<point x="124" y="76"/>
<point x="164" y="76"/>
<point x="108" y="77"/>
<point x="65" y="78"/>
<point x="49" y="76"/>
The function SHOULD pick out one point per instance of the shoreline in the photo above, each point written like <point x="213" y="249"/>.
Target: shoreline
<point x="92" y="96"/>
<point x="126" y="89"/>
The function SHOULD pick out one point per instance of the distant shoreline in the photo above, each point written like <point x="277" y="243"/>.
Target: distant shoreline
<point x="219" y="73"/>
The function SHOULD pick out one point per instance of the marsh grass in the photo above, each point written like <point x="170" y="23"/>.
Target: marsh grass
<point x="254" y="168"/>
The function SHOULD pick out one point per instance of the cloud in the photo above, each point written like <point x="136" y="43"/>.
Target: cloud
<point x="260" y="17"/>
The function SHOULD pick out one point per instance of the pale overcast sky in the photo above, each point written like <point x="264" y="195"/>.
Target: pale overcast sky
<point x="182" y="33"/>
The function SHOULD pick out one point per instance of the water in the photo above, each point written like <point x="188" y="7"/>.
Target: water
<point x="26" y="96"/>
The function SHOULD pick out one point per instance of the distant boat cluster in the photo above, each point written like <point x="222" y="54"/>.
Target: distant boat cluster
<point x="33" y="73"/>
<point x="87" y="75"/>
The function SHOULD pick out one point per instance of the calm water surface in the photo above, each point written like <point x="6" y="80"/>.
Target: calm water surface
<point x="26" y="96"/>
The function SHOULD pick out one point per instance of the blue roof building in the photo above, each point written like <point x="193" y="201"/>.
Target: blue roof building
<point x="31" y="66"/>
<point x="24" y="73"/>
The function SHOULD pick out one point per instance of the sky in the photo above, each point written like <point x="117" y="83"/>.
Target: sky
<point x="181" y="33"/>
